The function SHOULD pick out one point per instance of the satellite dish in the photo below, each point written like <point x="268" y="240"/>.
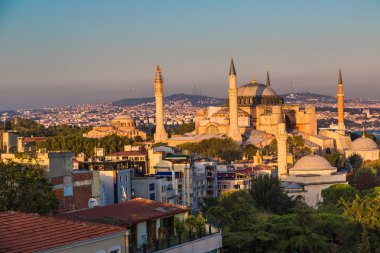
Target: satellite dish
<point x="92" y="203"/>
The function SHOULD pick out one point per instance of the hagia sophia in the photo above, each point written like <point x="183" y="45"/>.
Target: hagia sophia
<point x="252" y="115"/>
<point x="255" y="114"/>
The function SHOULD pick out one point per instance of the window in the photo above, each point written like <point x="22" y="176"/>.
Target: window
<point x="126" y="177"/>
<point x="225" y="186"/>
<point x="236" y="186"/>
<point x="120" y="178"/>
<point x="151" y="187"/>
<point x="152" y="196"/>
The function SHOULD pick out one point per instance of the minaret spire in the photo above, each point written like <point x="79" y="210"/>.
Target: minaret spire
<point x="160" y="134"/>
<point x="232" y="68"/>
<point x="268" y="79"/>
<point x="234" y="132"/>
<point x="340" y="97"/>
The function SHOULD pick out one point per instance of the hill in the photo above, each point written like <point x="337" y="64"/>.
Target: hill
<point x="195" y="100"/>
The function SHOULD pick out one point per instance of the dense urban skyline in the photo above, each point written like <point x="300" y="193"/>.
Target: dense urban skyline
<point x="73" y="52"/>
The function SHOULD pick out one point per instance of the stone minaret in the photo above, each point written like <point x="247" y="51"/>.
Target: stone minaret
<point x="340" y="97"/>
<point x="232" y="94"/>
<point x="160" y="134"/>
<point x="281" y="138"/>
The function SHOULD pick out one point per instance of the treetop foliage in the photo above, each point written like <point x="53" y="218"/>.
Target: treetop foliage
<point x="24" y="188"/>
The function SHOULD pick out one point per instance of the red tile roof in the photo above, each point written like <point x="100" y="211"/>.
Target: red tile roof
<point x="127" y="213"/>
<point x="20" y="232"/>
<point x="129" y="153"/>
<point x="34" y="139"/>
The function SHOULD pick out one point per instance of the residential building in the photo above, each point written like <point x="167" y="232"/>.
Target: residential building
<point x="151" y="225"/>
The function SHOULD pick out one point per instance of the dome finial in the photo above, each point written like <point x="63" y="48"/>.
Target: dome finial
<point x="363" y="134"/>
<point x="232" y="68"/>
<point x="254" y="79"/>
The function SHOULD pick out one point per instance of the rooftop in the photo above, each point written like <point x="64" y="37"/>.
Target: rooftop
<point x="129" y="153"/>
<point x="127" y="213"/>
<point x="20" y="232"/>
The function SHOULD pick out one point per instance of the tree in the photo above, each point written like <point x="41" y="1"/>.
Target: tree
<point x="250" y="151"/>
<point x="355" y="160"/>
<point x="268" y="194"/>
<point x="200" y="223"/>
<point x="24" y="188"/>
<point x="364" y="246"/>
<point x="190" y="223"/>
<point x="364" y="179"/>
<point x="332" y="196"/>
<point x="213" y="147"/>
<point x="184" y="128"/>
<point x="231" y="155"/>
<point x="296" y="146"/>
<point x="336" y="159"/>
<point x="363" y="210"/>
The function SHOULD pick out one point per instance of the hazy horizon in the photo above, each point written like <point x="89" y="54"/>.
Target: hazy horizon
<point x="56" y="53"/>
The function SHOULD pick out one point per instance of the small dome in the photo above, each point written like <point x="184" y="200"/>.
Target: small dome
<point x="312" y="162"/>
<point x="363" y="144"/>
<point x="254" y="89"/>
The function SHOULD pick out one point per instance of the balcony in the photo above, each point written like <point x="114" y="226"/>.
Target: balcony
<point x="210" y="239"/>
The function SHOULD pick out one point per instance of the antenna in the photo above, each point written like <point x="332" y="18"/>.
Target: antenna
<point x="92" y="203"/>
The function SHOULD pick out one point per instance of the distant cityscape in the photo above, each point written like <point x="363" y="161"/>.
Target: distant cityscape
<point x="182" y="108"/>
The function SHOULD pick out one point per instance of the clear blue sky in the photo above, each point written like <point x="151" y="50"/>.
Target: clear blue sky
<point x="78" y="51"/>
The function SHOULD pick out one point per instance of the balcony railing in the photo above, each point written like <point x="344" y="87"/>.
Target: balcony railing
<point x="177" y="240"/>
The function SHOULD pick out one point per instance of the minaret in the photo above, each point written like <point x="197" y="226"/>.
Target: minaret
<point x="340" y="97"/>
<point x="160" y="134"/>
<point x="281" y="138"/>
<point x="232" y="94"/>
<point x="268" y="79"/>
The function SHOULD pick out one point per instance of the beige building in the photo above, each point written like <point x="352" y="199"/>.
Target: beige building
<point x="121" y="125"/>
<point x="258" y="108"/>
<point x="309" y="176"/>
<point x="365" y="147"/>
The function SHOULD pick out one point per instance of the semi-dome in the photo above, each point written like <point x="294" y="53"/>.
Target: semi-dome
<point x="313" y="162"/>
<point x="254" y="89"/>
<point x="363" y="144"/>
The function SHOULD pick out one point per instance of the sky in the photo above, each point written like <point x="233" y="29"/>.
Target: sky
<point x="55" y="53"/>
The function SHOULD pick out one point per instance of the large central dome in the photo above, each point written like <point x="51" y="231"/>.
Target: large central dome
<point x="255" y="93"/>
<point x="254" y="89"/>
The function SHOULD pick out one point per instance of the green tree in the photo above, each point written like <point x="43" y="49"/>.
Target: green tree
<point x="213" y="147"/>
<point x="250" y="151"/>
<point x="24" y="188"/>
<point x="268" y="194"/>
<point x="364" y="179"/>
<point x="336" y="159"/>
<point x="184" y="128"/>
<point x="356" y="161"/>
<point x="332" y="196"/>
<point x="363" y="210"/>
<point x="364" y="246"/>
<point x="231" y="155"/>
<point x="296" y="146"/>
